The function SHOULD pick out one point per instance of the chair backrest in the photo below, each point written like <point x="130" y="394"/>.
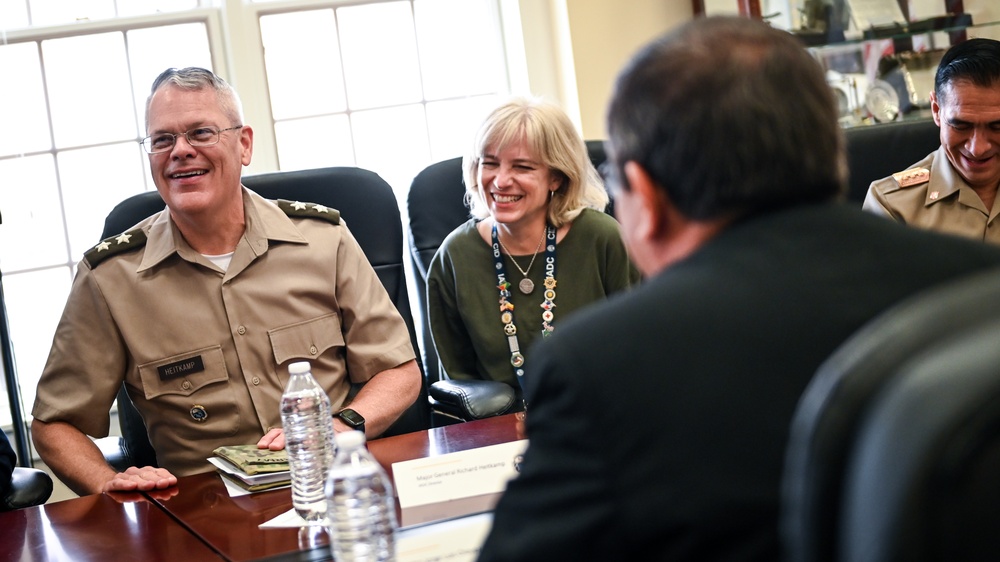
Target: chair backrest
<point x="370" y="209"/>
<point x="436" y="206"/>
<point x="826" y="424"/>
<point x="368" y="206"/>
<point x="923" y="483"/>
<point x="878" y="151"/>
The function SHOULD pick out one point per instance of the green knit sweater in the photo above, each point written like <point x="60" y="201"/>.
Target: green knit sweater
<point x="463" y="300"/>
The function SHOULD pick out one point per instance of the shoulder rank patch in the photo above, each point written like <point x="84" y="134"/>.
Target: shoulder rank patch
<point x="309" y="210"/>
<point x="912" y="176"/>
<point x="131" y="240"/>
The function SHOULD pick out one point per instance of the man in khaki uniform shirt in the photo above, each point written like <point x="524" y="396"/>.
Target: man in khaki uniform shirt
<point x="200" y="309"/>
<point x="954" y="188"/>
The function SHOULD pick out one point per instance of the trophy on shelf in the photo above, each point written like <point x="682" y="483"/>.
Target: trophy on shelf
<point x="820" y="22"/>
<point x="880" y="65"/>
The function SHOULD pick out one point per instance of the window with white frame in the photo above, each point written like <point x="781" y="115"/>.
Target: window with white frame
<point x="78" y="108"/>
<point x="389" y="86"/>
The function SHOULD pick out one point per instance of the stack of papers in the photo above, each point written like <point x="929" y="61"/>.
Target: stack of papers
<point x="251" y="468"/>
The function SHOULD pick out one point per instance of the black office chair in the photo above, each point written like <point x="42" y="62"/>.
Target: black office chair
<point x="436" y="206"/>
<point x="879" y="151"/>
<point x="830" y="413"/>
<point x="923" y="482"/>
<point x="368" y="206"/>
<point x="28" y="487"/>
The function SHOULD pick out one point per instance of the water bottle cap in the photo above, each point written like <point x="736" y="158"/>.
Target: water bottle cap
<point x="350" y="439"/>
<point x="299" y="367"/>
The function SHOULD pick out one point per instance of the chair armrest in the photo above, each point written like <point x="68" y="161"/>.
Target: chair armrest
<point x="472" y="399"/>
<point x="28" y="487"/>
<point x="115" y="452"/>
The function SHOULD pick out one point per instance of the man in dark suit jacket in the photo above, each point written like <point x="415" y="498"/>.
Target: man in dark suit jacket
<point x="658" y="420"/>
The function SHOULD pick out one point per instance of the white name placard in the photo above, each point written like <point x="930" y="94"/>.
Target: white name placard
<point x="485" y="470"/>
<point x="454" y="541"/>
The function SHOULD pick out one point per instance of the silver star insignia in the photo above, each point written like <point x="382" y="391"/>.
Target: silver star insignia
<point x="321" y="209"/>
<point x="123" y="239"/>
<point x="298" y="206"/>
<point x="104" y="245"/>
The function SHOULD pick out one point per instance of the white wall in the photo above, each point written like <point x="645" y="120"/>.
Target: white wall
<point x="576" y="47"/>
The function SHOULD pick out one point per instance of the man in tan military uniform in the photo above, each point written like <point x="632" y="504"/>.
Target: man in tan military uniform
<point x="932" y="195"/>
<point x="954" y="188"/>
<point x="201" y="308"/>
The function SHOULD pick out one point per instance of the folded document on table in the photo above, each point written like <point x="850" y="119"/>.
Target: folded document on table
<point x="252" y="460"/>
<point x="251" y="468"/>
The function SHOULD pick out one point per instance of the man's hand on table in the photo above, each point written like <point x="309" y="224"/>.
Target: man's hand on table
<point x="274" y="440"/>
<point x="144" y="479"/>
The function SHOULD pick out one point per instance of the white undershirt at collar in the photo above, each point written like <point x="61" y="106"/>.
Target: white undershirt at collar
<point x="221" y="260"/>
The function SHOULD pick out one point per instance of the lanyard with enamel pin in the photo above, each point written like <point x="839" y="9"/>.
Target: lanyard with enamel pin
<point x="507" y="307"/>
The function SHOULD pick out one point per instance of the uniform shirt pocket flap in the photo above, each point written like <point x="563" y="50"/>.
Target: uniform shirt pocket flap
<point x="183" y="374"/>
<point x="306" y="340"/>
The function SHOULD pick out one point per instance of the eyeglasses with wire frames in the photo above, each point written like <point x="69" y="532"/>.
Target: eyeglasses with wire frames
<point x="199" y="136"/>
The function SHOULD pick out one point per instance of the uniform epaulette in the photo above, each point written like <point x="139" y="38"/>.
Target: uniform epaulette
<point x="913" y="176"/>
<point x="309" y="210"/>
<point x="114" y="245"/>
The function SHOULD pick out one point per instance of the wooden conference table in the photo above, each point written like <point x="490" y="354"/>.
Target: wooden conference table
<point x="198" y="520"/>
<point x="98" y="527"/>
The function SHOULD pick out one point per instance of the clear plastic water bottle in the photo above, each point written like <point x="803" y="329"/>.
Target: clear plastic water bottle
<point x="360" y="504"/>
<point x="308" y="424"/>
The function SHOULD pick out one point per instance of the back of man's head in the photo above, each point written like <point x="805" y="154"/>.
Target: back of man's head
<point x="975" y="60"/>
<point x="729" y="116"/>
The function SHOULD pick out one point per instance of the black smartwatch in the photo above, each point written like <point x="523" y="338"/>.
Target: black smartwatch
<point x="352" y="419"/>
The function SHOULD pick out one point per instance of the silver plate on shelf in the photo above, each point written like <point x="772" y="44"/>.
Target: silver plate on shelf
<point x="882" y="101"/>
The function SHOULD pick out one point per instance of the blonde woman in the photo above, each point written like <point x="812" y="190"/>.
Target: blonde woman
<point x="539" y="245"/>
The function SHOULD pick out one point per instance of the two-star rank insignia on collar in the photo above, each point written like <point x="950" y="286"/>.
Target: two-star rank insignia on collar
<point x="309" y="210"/>
<point x="114" y="245"/>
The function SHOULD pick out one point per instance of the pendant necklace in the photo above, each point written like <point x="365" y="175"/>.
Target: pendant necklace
<point x="507" y="307"/>
<point x="526" y="285"/>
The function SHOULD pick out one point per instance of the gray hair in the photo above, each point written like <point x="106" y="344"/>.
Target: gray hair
<point x="195" y="78"/>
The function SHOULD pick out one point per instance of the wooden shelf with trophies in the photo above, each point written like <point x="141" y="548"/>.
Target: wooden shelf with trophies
<point x="880" y="63"/>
